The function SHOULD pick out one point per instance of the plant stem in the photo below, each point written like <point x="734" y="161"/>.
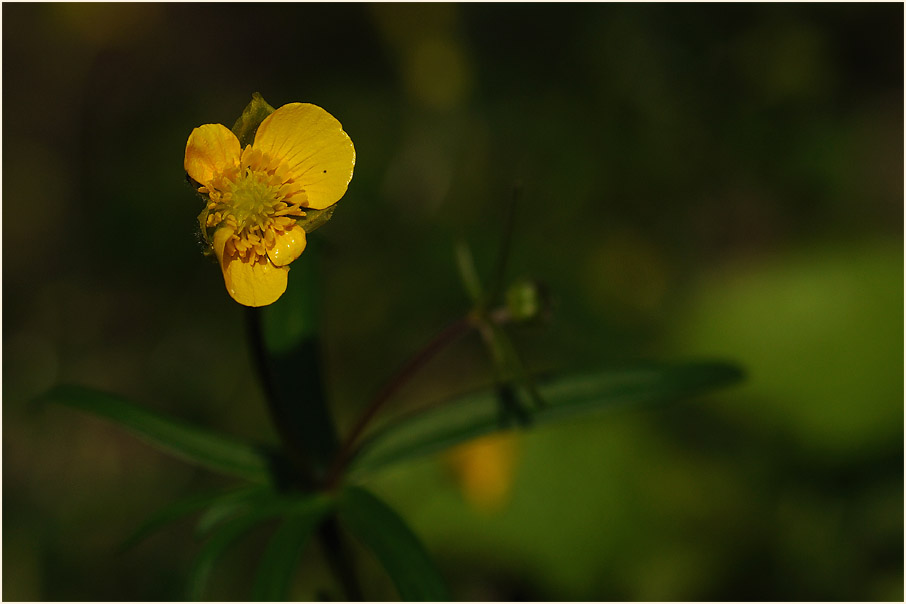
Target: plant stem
<point x="276" y="411"/>
<point x="339" y="559"/>
<point x="440" y="341"/>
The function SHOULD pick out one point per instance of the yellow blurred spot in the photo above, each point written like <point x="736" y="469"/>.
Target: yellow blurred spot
<point x="109" y="23"/>
<point x="786" y="63"/>
<point x="485" y="470"/>
<point x="403" y="24"/>
<point x="435" y="69"/>
<point x="437" y="73"/>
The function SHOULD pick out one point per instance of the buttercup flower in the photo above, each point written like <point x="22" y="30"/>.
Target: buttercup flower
<point x="301" y="159"/>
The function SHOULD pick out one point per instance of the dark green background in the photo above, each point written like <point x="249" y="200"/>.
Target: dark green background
<point x="721" y="181"/>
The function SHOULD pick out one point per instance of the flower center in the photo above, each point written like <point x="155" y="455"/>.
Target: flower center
<point x="258" y="199"/>
<point x="254" y="200"/>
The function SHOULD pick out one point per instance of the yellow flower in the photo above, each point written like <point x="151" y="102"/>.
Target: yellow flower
<point x="301" y="159"/>
<point x="485" y="470"/>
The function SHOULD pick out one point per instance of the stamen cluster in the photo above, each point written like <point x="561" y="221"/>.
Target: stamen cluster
<point x="258" y="200"/>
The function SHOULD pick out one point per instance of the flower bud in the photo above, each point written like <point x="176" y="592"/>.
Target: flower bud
<point x="526" y="300"/>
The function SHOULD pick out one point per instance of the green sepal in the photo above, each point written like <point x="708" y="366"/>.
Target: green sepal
<point x="394" y="544"/>
<point x="205" y="232"/>
<point x="252" y="116"/>
<point x="315" y="219"/>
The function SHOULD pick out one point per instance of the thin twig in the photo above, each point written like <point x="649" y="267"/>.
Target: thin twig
<point x="503" y="254"/>
<point x="440" y="341"/>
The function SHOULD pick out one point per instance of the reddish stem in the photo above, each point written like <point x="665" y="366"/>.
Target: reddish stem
<point x="440" y="341"/>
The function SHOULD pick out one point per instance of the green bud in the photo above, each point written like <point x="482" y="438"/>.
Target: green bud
<point x="525" y="300"/>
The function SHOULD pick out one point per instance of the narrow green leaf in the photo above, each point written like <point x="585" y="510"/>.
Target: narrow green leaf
<point x="214" y="548"/>
<point x="252" y="116"/>
<point x="475" y="415"/>
<point x="176" y="511"/>
<point x="214" y="451"/>
<point x="228" y="533"/>
<point x="275" y="572"/>
<point x="394" y="544"/>
<point x="231" y="507"/>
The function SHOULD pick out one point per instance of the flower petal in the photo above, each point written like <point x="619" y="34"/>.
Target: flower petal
<point x="314" y="147"/>
<point x="287" y="246"/>
<point x="249" y="283"/>
<point x="212" y="148"/>
<point x="254" y="283"/>
<point x="221" y="236"/>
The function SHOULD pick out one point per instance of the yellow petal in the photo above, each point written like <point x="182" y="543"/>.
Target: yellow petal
<point x="221" y="236"/>
<point x="288" y="245"/>
<point x="254" y="283"/>
<point x="249" y="283"/>
<point x="319" y="155"/>
<point x="212" y="148"/>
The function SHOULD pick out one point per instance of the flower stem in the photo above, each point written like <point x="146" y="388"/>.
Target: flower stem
<point x="339" y="559"/>
<point x="277" y="412"/>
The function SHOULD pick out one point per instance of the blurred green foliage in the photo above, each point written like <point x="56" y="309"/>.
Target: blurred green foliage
<point x="699" y="180"/>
